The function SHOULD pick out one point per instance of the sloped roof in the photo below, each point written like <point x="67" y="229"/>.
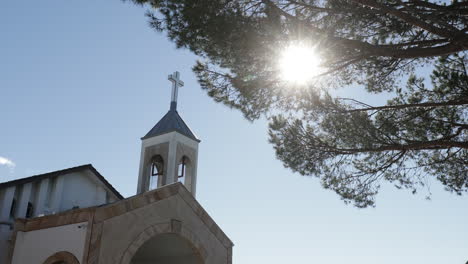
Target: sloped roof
<point x="169" y="123"/>
<point x="62" y="172"/>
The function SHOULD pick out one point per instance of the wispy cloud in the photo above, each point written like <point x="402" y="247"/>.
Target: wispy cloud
<point x="6" y="162"/>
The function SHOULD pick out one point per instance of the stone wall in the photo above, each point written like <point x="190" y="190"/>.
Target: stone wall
<point x="121" y="229"/>
<point x="114" y="233"/>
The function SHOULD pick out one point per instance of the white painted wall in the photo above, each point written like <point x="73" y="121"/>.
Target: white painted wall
<point x="41" y="200"/>
<point x="7" y="198"/>
<point x="50" y="195"/>
<point x="6" y="195"/>
<point x="55" y="195"/>
<point x="35" y="247"/>
<point x="24" y="199"/>
<point x="5" y="236"/>
<point x="82" y="191"/>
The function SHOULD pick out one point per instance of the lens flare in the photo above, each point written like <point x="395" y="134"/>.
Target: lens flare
<point x="299" y="63"/>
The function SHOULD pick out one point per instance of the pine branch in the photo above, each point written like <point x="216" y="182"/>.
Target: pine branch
<point x="426" y="145"/>
<point x="369" y="50"/>
<point x="407" y="18"/>
<point x="463" y="101"/>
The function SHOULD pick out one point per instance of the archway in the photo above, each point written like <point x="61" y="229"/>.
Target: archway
<point x="168" y="248"/>
<point x="62" y="257"/>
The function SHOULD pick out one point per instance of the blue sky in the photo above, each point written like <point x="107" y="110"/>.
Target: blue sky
<point x="82" y="81"/>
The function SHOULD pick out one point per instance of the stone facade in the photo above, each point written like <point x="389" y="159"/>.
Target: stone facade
<point x="115" y="232"/>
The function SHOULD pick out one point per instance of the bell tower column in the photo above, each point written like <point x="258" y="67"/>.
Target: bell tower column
<point x="169" y="151"/>
<point x="171" y="163"/>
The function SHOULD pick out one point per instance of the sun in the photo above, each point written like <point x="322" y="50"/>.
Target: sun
<point x="299" y="64"/>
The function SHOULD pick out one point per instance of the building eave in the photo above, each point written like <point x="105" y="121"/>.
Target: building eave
<point x="62" y="172"/>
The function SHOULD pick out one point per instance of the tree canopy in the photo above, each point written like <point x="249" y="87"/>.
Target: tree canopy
<point x="414" y="50"/>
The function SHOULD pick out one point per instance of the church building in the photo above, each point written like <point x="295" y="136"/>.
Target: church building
<point x="75" y="216"/>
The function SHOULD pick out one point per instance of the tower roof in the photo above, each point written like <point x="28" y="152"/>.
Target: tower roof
<point x="169" y="123"/>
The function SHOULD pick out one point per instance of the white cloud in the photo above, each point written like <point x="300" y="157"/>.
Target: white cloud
<point x="7" y="162"/>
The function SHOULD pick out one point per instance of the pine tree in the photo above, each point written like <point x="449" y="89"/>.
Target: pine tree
<point x="351" y="146"/>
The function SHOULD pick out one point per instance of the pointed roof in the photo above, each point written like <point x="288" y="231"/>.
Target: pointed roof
<point x="169" y="123"/>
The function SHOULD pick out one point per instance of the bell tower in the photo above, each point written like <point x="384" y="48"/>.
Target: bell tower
<point x="169" y="151"/>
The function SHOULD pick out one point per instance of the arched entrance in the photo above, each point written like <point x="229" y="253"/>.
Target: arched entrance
<point x="62" y="257"/>
<point x="168" y="248"/>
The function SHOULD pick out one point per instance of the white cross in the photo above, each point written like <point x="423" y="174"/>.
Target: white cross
<point x="176" y="83"/>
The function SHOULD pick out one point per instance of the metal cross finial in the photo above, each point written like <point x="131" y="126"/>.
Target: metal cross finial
<point x="176" y="83"/>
